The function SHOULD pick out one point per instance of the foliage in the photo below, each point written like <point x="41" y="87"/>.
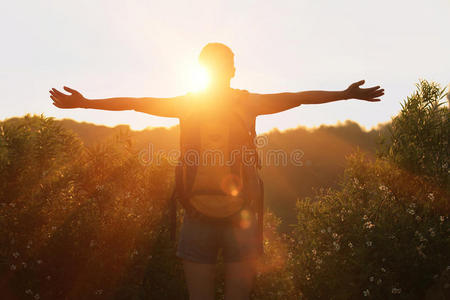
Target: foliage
<point x="90" y="221"/>
<point x="81" y="222"/>
<point x="385" y="232"/>
<point x="420" y="135"/>
<point x="321" y="167"/>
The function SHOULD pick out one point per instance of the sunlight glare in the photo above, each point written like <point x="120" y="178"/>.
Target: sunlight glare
<point x="199" y="78"/>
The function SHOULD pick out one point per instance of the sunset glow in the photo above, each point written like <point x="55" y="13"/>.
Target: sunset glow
<point x="199" y="78"/>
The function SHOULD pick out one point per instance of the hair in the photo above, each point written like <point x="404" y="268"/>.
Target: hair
<point x="215" y="54"/>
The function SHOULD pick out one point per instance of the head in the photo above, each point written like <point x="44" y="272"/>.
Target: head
<point x="218" y="60"/>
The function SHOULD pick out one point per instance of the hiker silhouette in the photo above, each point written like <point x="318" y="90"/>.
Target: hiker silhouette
<point x="223" y="202"/>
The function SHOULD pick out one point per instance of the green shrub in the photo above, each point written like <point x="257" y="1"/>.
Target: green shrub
<point x="385" y="232"/>
<point x="80" y="222"/>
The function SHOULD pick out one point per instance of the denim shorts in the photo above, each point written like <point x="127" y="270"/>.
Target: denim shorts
<point x="201" y="240"/>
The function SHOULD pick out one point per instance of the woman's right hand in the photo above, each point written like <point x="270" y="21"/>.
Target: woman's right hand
<point x="61" y="100"/>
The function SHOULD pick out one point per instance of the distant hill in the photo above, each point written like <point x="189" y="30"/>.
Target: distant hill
<point x="324" y="148"/>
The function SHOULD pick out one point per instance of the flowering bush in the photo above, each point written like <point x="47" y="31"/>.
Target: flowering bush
<point x="81" y="222"/>
<point x="385" y="232"/>
<point x="374" y="237"/>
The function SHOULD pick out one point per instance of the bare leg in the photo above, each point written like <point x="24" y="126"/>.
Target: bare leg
<point x="200" y="280"/>
<point x="239" y="278"/>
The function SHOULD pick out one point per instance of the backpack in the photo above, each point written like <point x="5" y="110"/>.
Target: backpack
<point x="217" y="174"/>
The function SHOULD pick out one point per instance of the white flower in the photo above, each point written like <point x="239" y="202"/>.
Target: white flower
<point x="432" y="233"/>
<point x="308" y="276"/>
<point x="418" y="218"/>
<point x="99" y="292"/>
<point x="366" y="293"/>
<point x="16" y="254"/>
<point x="322" y="231"/>
<point x="371" y="278"/>
<point x="431" y="196"/>
<point x="383" y="270"/>
<point x="369" y="243"/>
<point x="365" y="217"/>
<point x="369" y="225"/>
<point x="12" y="267"/>
<point x="442" y="218"/>
<point x="314" y="251"/>
<point x="37" y="297"/>
<point x="379" y="281"/>
<point x="396" y="290"/>
<point x="335" y="235"/>
<point x="411" y="211"/>
<point x="350" y="244"/>
<point x="28" y="292"/>
<point x="383" y="188"/>
<point x="336" y="246"/>
<point x="134" y="253"/>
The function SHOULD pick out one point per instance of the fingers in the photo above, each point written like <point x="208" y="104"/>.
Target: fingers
<point x="55" y="99"/>
<point x="72" y="91"/>
<point x="372" y="88"/>
<point x="57" y="105"/>
<point x="53" y="94"/>
<point x="377" y="93"/>
<point x="56" y="102"/>
<point x="57" y="93"/>
<point x="372" y="93"/>
<point x="358" y="83"/>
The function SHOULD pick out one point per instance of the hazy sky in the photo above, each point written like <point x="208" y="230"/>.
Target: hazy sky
<point x="148" y="48"/>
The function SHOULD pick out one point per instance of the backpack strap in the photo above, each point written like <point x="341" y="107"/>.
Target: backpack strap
<point x="173" y="215"/>
<point x="260" y="214"/>
<point x="173" y="202"/>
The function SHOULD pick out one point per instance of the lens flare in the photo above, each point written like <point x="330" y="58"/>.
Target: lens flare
<point x="199" y="78"/>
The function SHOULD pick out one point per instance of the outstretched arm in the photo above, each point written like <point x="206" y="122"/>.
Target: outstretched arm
<point x="163" y="107"/>
<point x="274" y="103"/>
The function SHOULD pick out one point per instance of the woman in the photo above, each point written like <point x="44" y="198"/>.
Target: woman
<point x="200" y="240"/>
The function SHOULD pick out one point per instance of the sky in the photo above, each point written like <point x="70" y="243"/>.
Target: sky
<point x="149" y="49"/>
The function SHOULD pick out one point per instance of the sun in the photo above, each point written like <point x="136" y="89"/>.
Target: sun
<point x="199" y="78"/>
